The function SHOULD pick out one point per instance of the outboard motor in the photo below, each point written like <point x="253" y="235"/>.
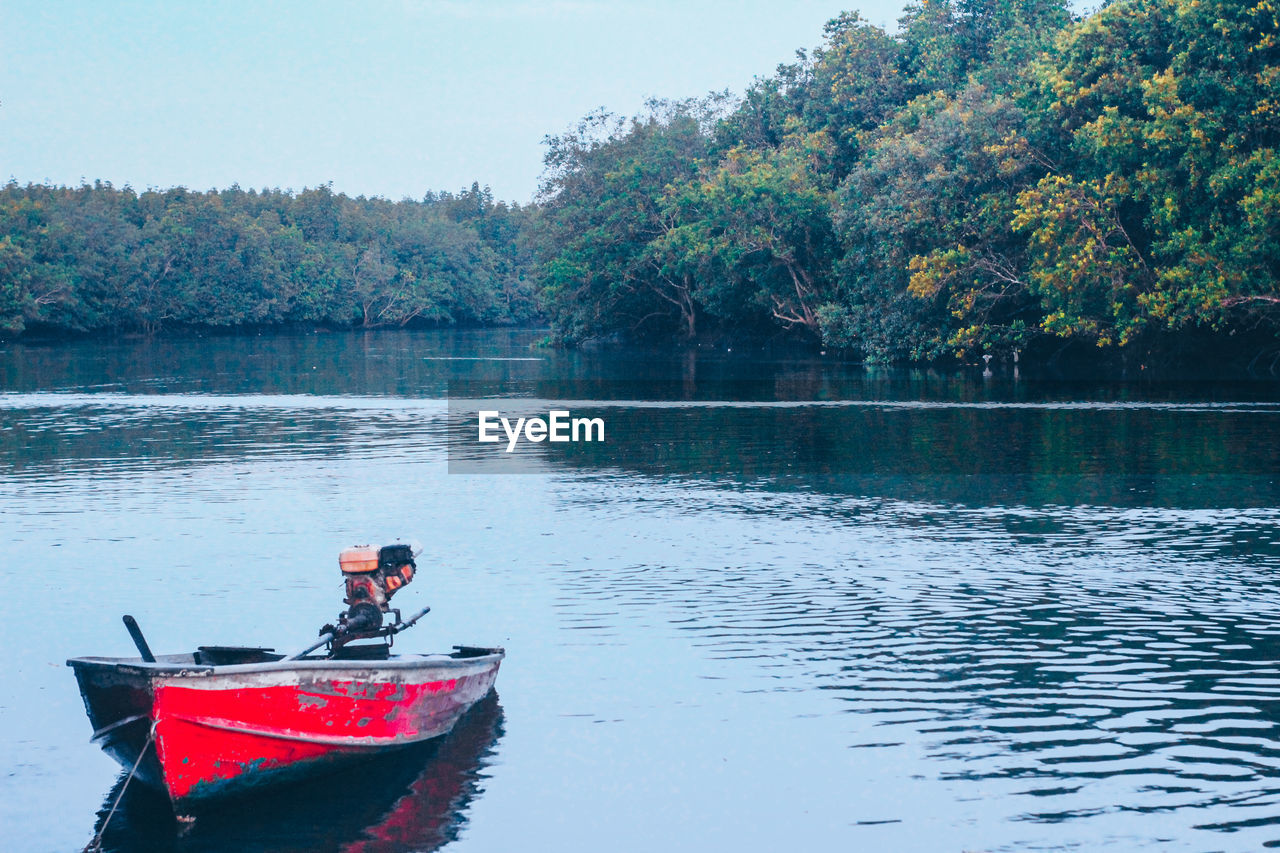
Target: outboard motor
<point x="372" y="576"/>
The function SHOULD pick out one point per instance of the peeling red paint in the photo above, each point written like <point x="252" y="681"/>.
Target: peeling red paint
<point x="209" y="738"/>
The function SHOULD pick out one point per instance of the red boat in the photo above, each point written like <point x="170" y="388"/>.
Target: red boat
<point x="219" y="728"/>
<point x="413" y="800"/>
<point x="227" y="719"/>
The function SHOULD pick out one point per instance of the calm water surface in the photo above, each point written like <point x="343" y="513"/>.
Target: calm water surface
<point x="788" y="604"/>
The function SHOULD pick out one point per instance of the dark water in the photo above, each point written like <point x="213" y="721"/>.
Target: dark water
<point x="787" y="605"/>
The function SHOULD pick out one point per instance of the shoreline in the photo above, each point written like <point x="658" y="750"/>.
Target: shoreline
<point x="1066" y="361"/>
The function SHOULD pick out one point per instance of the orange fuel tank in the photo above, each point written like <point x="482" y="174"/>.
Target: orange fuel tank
<point x="357" y="560"/>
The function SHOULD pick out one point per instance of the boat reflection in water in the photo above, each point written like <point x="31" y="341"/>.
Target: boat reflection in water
<point x="415" y="799"/>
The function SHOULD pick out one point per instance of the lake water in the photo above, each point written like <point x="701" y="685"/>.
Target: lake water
<point x="788" y="604"/>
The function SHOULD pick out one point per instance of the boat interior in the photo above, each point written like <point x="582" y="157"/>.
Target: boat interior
<point x="239" y="655"/>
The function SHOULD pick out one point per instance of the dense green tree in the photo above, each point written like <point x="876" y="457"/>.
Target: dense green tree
<point x="993" y="175"/>
<point x="754" y="241"/>
<point x="932" y="264"/>
<point x="1164" y="121"/>
<point x="604" y="209"/>
<point x="97" y="257"/>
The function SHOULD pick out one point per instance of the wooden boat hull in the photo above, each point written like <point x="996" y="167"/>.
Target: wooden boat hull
<point x="204" y="732"/>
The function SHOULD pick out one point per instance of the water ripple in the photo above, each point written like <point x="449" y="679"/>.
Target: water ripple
<point x="1110" y="662"/>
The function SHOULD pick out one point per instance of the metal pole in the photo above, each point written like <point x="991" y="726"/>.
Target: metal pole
<point x="311" y="648"/>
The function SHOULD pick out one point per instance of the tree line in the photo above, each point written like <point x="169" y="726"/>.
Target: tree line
<point x="96" y="257"/>
<point x="990" y="176"/>
<point x="993" y="175"/>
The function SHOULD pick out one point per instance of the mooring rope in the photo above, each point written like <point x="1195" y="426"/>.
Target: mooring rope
<point x="96" y="843"/>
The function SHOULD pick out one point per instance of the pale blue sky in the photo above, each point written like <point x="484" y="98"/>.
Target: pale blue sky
<point x="381" y="98"/>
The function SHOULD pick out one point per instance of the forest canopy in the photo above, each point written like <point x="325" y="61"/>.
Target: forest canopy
<point x="96" y="257"/>
<point x="990" y="176"/>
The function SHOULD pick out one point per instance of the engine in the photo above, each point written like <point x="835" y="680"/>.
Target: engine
<point x="372" y="576"/>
